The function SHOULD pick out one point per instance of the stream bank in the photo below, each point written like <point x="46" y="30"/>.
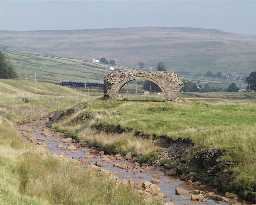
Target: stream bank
<point x="147" y="179"/>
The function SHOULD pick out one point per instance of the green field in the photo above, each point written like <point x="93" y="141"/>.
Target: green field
<point x="224" y="122"/>
<point x="55" y="69"/>
<point x="29" y="174"/>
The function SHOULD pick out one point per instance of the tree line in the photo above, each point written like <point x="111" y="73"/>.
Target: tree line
<point x="105" y="61"/>
<point x="6" y="70"/>
<point x="190" y="86"/>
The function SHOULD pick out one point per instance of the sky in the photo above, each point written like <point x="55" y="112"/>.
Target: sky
<point x="238" y="16"/>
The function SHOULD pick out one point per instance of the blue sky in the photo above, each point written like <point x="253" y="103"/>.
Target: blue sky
<point x="228" y="15"/>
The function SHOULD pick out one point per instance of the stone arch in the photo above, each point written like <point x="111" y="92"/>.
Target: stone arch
<point x="169" y="83"/>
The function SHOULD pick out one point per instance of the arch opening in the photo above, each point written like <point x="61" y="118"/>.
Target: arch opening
<point x="140" y="87"/>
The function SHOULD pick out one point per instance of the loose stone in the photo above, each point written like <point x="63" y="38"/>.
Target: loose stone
<point x="181" y="191"/>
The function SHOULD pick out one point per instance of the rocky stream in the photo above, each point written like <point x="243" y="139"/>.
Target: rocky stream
<point x="147" y="180"/>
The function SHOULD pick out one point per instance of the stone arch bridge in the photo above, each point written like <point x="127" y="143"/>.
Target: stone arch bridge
<point x="169" y="83"/>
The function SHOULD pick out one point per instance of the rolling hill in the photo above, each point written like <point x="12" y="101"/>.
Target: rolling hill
<point x="187" y="50"/>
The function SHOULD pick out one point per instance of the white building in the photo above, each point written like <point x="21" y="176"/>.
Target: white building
<point x="95" y="60"/>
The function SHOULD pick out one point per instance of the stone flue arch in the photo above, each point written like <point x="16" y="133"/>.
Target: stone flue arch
<point x="169" y="83"/>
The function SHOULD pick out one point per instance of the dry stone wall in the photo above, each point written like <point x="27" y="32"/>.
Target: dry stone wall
<point x="169" y="83"/>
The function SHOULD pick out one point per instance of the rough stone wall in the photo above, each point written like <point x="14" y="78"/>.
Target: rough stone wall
<point x="169" y="83"/>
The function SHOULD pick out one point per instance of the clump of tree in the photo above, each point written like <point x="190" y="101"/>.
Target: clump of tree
<point x="105" y="61"/>
<point x="161" y="67"/>
<point x="190" y="86"/>
<point x="6" y="70"/>
<point x="251" y="81"/>
<point x="232" y="88"/>
<point x="209" y="74"/>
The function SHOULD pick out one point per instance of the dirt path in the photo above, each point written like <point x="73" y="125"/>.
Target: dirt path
<point x="150" y="180"/>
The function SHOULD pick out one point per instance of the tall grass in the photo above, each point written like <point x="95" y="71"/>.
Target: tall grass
<point x="65" y="182"/>
<point x="30" y="175"/>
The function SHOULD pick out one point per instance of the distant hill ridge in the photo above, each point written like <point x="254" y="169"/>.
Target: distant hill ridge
<point x="182" y="49"/>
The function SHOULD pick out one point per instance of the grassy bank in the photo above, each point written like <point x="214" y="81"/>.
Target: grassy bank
<point x="222" y="126"/>
<point x="29" y="174"/>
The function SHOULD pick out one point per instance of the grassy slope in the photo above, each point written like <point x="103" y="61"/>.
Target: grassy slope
<point x="217" y="123"/>
<point x="183" y="49"/>
<point x="29" y="175"/>
<point x="55" y="69"/>
<point x="26" y="100"/>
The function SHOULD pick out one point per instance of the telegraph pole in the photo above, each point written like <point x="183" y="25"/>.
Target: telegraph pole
<point x="35" y="77"/>
<point x="150" y="88"/>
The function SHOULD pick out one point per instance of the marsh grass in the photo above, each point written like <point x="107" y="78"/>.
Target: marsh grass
<point x="65" y="182"/>
<point x="80" y="126"/>
<point x="120" y="144"/>
<point x="223" y="124"/>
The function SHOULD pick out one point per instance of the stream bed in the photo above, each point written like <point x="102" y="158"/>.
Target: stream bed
<point x="40" y="134"/>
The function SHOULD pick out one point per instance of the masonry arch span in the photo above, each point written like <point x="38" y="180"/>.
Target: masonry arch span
<point x="169" y="83"/>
